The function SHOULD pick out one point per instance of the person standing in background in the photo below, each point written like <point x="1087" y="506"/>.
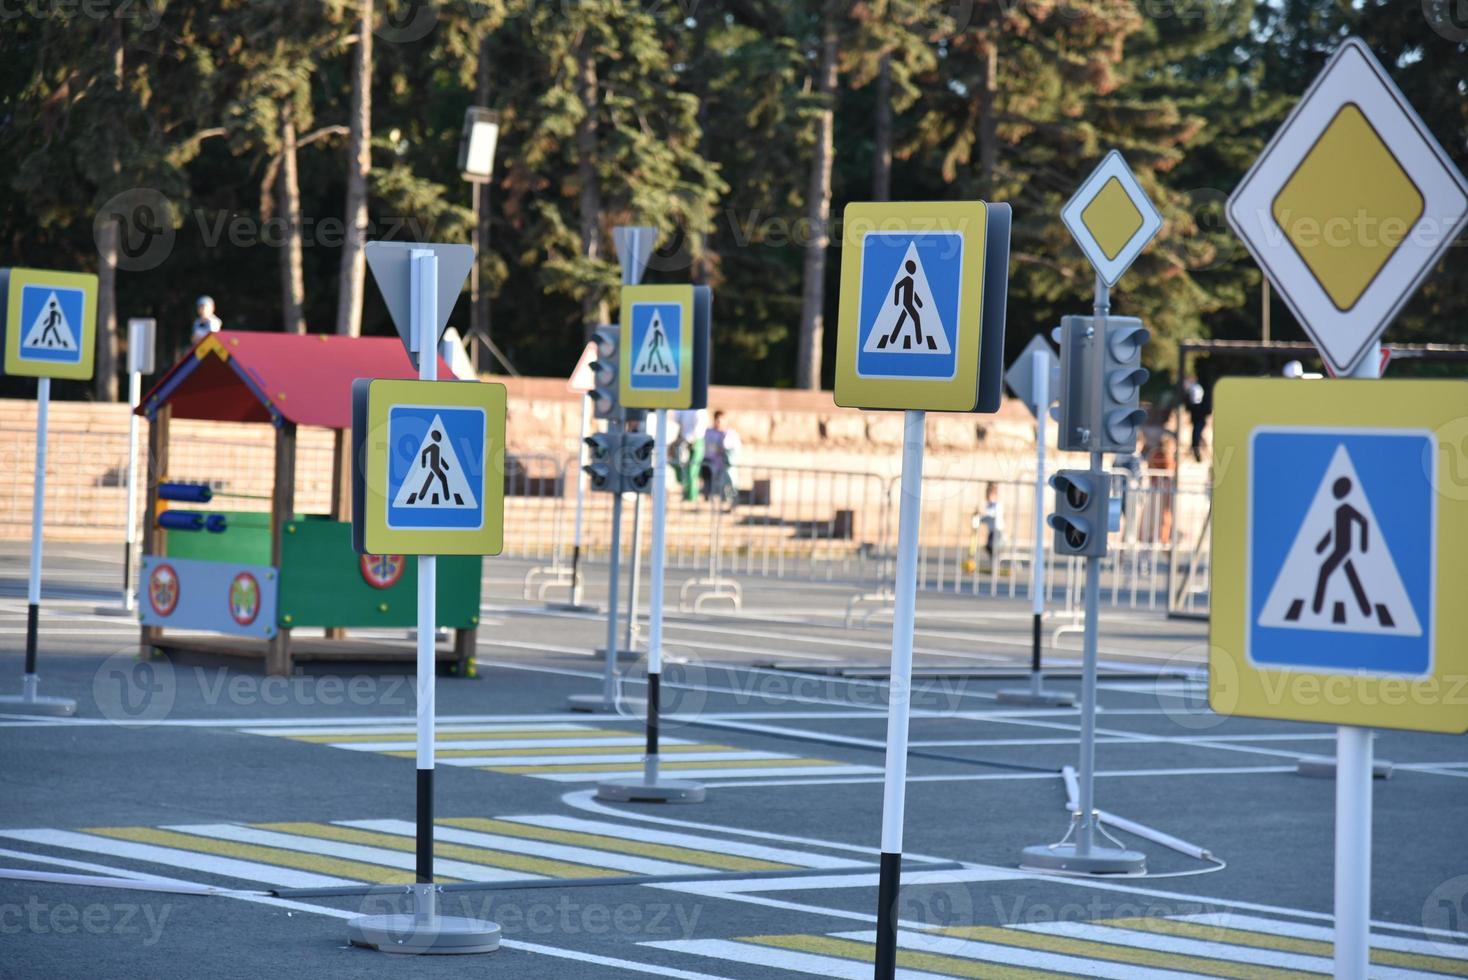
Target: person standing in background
<point x="721" y="448"/>
<point x="688" y="447"/>
<point x="205" y="322"/>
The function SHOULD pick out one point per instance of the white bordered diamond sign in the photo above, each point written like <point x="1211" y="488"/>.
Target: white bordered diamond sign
<point x="1111" y="218"/>
<point x="1349" y="206"/>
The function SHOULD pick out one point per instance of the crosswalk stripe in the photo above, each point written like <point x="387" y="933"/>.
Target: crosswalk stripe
<point x="573" y="762"/>
<point x="627" y="863"/>
<point x="686" y="855"/>
<point x="353" y="870"/>
<point x="934" y="963"/>
<point x="817" y="765"/>
<point x="534" y="746"/>
<point x="785" y="961"/>
<point x="780" y="855"/>
<point x="206" y="863"/>
<point x="520" y="866"/>
<point x="406" y="733"/>
<point x="390" y="858"/>
<point x="574" y="775"/>
<point x="1098" y="942"/>
<point x="1039" y="959"/>
<point x="1455" y="948"/>
<point x="505" y="751"/>
<point x="1197" y="932"/>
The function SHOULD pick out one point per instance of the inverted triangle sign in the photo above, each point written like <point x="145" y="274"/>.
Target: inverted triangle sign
<point x="391" y="267"/>
<point x="634" y="245"/>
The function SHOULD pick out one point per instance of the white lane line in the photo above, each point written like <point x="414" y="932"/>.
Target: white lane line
<point x="786" y="960"/>
<point x="1021" y="956"/>
<point x="398" y="860"/>
<point x="753" y="773"/>
<point x="327" y="727"/>
<point x="1001" y="776"/>
<point x="629" y="758"/>
<point x="910" y="879"/>
<point x="1455" y="948"/>
<point x="631" y="863"/>
<point x="803" y="859"/>
<point x="508" y="743"/>
<point x="154" y="854"/>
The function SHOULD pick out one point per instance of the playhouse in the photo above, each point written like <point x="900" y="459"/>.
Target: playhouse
<point x="239" y="582"/>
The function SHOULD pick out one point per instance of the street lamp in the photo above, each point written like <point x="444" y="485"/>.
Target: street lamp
<point x="476" y="164"/>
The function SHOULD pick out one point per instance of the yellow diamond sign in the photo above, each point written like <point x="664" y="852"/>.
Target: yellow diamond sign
<point x="1111" y="218"/>
<point x="1349" y="206"/>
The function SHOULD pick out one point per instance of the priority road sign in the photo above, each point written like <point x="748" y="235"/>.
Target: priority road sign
<point x="1349" y="206"/>
<point x="429" y="478"/>
<point x="664" y="353"/>
<point x="913" y="285"/>
<point x="1335" y="600"/>
<point x="1021" y="374"/>
<point x="50" y="323"/>
<point x="1111" y="218"/>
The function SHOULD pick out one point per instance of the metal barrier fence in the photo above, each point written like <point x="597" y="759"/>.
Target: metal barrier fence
<point x="784" y="522"/>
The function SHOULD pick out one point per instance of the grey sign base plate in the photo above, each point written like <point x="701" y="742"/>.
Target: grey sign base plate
<point x="594" y="704"/>
<point x="1097" y="861"/>
<point x="46" y="707"/>
<point x="1042" y="697"/>
<point x="636" y="789"/>
<point x="411" y="935"/>
<point x="1323" y="767"/>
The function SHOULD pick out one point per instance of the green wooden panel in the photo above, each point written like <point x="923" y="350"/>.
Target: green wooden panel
<point x="322" y="583"/>
<point x="246" y="541"/>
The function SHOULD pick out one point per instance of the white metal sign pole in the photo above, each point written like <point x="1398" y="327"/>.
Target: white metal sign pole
<point x="134" y="395"/>
<point x="1353" y="790"/>
<point x="582" y="433"/>
<point x="899" y="693"/>
<point x="1041" y="385"/>
<point x="424" y="280"/>
<point x="655" y="612"/>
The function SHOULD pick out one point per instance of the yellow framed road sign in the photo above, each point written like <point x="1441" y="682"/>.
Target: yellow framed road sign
<point x="1340" y="510"/>
<point x="1111" y="218"/>
<point x="50" y="323"/>
<point x="657" y="360"/>
<point x="428" y="474"/>
<point x="1350" y="206"/>
<point x="913" y="281"/>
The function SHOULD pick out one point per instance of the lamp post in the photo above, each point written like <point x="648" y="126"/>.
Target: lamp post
<point x="476" y="164"/>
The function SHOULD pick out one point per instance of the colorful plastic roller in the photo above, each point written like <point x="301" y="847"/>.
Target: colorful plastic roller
<point x="194" y="493"/>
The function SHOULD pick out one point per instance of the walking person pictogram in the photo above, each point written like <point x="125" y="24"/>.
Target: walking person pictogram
<point x="1338" y="539"/>
<point x="432" y="459"/>
<point x="904" y="295"/>
<point x="50" y="335"/>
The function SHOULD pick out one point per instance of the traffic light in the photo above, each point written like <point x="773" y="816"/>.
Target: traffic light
<point x="603" y="467"/>
<point x="1075" y="401"/>
<point x="604" y="397"/>
<point x="1124" y="374"/>
<point x="1080" y="516"/>
<point x="636" y="458"/>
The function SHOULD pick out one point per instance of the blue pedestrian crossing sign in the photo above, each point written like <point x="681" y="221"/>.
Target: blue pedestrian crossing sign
<point x="1338" y="566"/>
<point x="429" y="477"/>
<point x="663" y="361"/>
<point x="914" y="283"/>
<point x="50" y="323"/>
<point x="1342" y="541"/>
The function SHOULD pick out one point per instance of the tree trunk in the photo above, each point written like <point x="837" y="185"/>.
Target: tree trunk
<point x="108" y="235"/>
<point x="818" y="213"/>
<point x="988" y="126"/>
<point x="292" y="278"/>
<point x="882" y="137"/>
<point x="479" y="296"/>
<point x="359" y="148"/>
<point x="594" y="309"/>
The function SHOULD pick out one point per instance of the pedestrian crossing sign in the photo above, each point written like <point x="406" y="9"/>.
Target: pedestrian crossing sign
<point x="429" y="466"/>
<point x="50" y="323"/>
<point x="664" y="361"/>
<point x="1339" y="512"/>
<point x="913" y="282"/>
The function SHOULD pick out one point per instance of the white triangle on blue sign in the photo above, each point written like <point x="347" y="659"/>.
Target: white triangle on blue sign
<point x="655" y="357"/>
<point x="1339" y="575"/>
<point x="908" y="322"/>
<point x="436" y="480"/>
<point x="50" y="330"/>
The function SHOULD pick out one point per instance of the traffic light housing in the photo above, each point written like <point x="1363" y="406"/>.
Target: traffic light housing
<point x="1074" y="400"/>
<point x="1124" y="377"/>
<point x="603" y="466"/>
<point x="636" y="458"/>
<point x="1080" y="517"/>
<point x="605" y="400"/>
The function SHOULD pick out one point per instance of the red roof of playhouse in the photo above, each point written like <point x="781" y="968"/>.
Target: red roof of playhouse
<point x="247" y="376"/>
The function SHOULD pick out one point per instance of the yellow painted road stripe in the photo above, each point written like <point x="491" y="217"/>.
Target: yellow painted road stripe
<point x="637" y="767"/>
<point x="459" y="852"/>
<point x="336" y="867"/>
<point x="1288" y="944"/>
<point x="850" y="949"/>
<point x="563" y="750"/>
<point x="1138" y="956"/>
<point x="497" y="733"/>
<point x="668" y="852"/>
